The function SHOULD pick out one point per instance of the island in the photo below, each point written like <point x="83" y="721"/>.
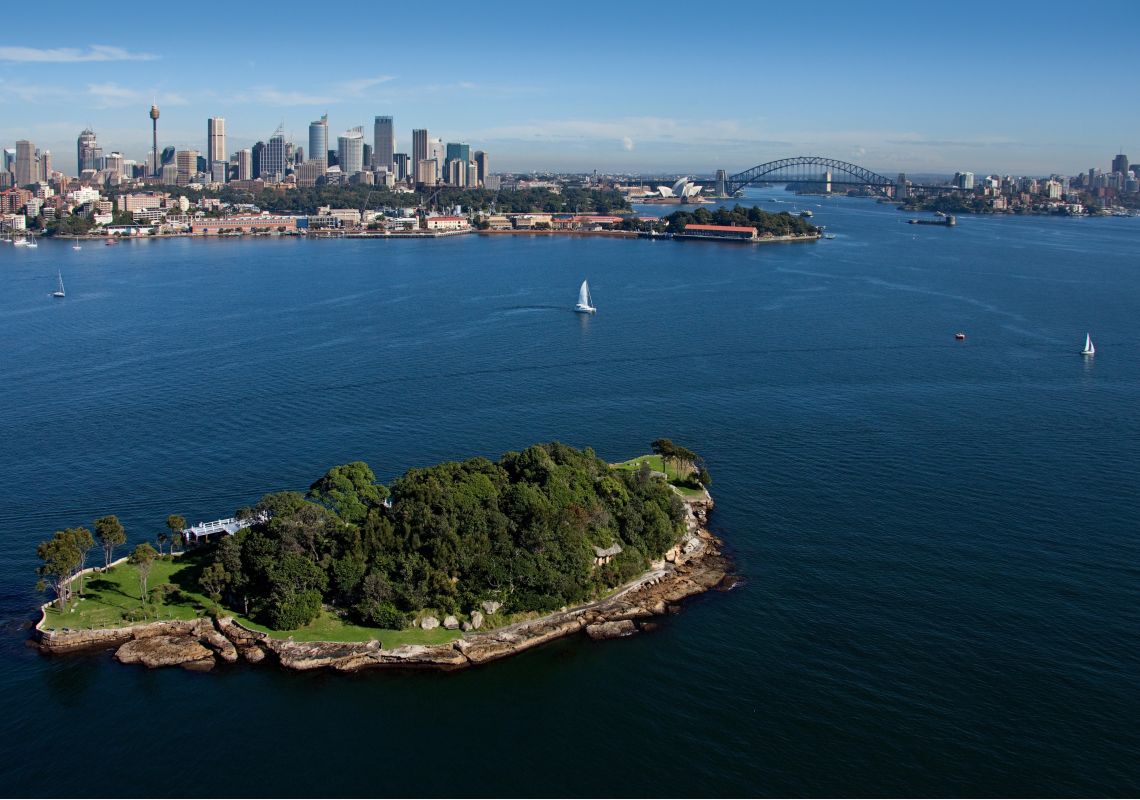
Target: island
<point x="451" y="566"/>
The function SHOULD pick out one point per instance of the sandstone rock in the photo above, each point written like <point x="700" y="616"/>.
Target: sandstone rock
<point x="476" y="620"/>
<point x="221" y="645"/>
<point x="164" y="651"/>
<point x="451" y="623"/>
<point x="253" y="654"/>
<point x="465" y="626"/>
<point x="491" y="606"/>
<point x="428" y="623"/>
<point x="611" y="630"/>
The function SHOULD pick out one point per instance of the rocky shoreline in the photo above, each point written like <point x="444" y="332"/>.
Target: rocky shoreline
<point x="692" y="567"/>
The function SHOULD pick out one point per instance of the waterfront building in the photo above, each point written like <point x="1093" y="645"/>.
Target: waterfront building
<point x="27" y="168"/>
<point x="736" y="233"/>
<point x="88" y="151"/>
<point x="350" y="151"/>
<point x="383" y="143"/>
<point x="215" y="139"/>
<point x="446" y="223"/>
<point x="319" y="140"/>
<point x="419" y="147"/>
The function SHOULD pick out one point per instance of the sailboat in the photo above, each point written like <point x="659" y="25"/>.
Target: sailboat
<point x="1089" y="349"/>
<point x="31" y="242"/>
<point x="585" y="304"/>
<point x="59" y="292"/>
<point x="76" y="246"/>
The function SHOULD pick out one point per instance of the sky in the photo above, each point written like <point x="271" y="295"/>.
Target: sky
<point x="666" y="87"/>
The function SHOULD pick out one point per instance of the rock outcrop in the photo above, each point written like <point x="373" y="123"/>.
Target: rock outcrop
<point x="611" y="630"/>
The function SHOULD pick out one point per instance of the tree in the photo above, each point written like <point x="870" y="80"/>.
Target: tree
<point x="177" y="524"/>
<point x="213" y="581"/>
<point x="349" y="491"/>
<point x="110" y="533"/>
<point x="83" y="541"/>
<point x="62" y="557"/>
<point x="143" y="558"/>
<point x="161" y="539"/>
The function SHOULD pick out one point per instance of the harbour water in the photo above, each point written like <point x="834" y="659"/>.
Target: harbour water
<point x="937" y="540"/>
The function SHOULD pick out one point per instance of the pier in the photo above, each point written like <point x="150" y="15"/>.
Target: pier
<point x="229" y="526"/>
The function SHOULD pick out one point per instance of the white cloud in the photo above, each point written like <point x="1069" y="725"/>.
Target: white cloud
<point x="112" y="95"/>
<point x="627" y="143"/>
<point x="71" y="55"/>
<point x="336" y="93"/>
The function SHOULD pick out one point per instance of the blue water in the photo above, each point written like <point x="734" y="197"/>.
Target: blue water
<point x="939" y="539"/>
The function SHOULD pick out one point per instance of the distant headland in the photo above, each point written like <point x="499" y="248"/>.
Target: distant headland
<point x="453" y="565"/>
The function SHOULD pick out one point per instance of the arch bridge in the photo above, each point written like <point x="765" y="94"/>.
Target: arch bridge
<point x="809" y="169"/>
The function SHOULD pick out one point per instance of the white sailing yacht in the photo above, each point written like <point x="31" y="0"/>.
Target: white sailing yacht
<point x="76" y="246"/>
<point x="1089" y="349"/>
<point x="31" y="242"/>
<point x="585" y="303"/>
<point x="59" y="292"/>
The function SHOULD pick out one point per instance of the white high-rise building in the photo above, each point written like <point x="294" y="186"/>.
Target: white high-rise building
<point x="319" y="140"/>
<point x="350" y="151"/>
<point x="245" y="164"/>
<point x="215" y="139"/>
<point x="383" y="143"/>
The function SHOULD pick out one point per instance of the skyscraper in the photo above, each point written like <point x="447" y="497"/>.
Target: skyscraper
<point x="26" y="167"/>
<point x="383" y="143"/>
<point x="319" y="140"/>
<point x="419" y="149"/>
<point x="215" y="140"/>
<point x="45" y="165"/>
<point x="482" y="168"/>
<point x="245" y="164"/>
<point x="87" y="151"/>
<point x="400" y="163"/>
<point x="1120" y="164"/>
<point x="273" y="159"/>
<point x="187" y="163"/>
<point x="350" y="151"/>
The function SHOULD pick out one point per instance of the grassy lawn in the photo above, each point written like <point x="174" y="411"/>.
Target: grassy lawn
<point x="109" y="596"/>
<point x="330" y="628"/>
<point x="657" y="465"/>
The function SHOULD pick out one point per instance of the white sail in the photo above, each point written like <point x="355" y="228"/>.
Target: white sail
<point x="1089" y="349"/>
<point x="59" y="292"/>
<point x="585" y="305"/>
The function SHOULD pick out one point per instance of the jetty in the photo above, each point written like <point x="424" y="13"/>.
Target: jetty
<point x="228" y="526"/>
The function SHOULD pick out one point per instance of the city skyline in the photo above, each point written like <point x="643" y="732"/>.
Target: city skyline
<point x="618" y="90"/>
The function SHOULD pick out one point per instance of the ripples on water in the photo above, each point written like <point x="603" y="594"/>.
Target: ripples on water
<point x="937" y="539"/>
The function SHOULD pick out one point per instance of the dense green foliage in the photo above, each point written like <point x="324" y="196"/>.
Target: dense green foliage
<point x="520" y="531"/>
<point x="782" y="224"/>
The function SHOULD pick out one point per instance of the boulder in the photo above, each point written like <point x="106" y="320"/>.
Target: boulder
<point x="254" y="654"/>
<point x="428" y="623"/>
<point x="165" y="651"/>
<point x="491" y="606"/>
<point x="465" y="626"/>
<point x="476" y="620"/>
<point x="451" y="623"/>
<point x="611" y="630"/>
<point x="221" y="645"/>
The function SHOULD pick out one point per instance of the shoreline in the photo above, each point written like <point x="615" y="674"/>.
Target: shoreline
<point x="693" y="566"/>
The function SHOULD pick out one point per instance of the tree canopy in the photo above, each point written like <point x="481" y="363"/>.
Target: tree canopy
<point x="520" y="531"/>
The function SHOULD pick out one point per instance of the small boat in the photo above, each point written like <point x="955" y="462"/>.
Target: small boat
<point x="59" y="292"/>
<point x="20" y="242"/>
<point x="76" y="246"/>
<point x="585" y="303"/>
<point x="960" y="336"/>
<point x="31" y="242"/>
<point x="109" y="242"/>
<point x="1089" y="349"/>
<point x="806" y="213"/>
<point x="829" y="236"/>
